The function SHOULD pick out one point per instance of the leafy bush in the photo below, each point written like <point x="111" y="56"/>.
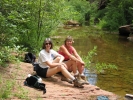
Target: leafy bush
<point x="102" y="66"/>
<point x="96" y="67"/>
<point x="74" y="10"/>
<point x="10" y="55"/>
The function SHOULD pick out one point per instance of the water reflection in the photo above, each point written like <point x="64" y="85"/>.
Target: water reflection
<point x="115" y="50"/>
<point x="91" y="77"/>
<point x="122" y="39"/>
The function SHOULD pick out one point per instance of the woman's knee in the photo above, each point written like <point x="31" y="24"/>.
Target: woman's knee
<point x="60" y="68"/>
<point x="71" y="62"/>
<point x="81" y="67"/>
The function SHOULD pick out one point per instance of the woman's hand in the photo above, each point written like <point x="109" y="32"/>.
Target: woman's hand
<point x="64" y="65"/>
<point x="59" y="64"/>
<point x="81" y="62"/>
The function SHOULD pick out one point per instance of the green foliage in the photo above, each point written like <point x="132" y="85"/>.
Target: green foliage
<point x="10" y="55"/>
<point x="31" y="21"/>
<point x="92" y="12"/>
<point x="72" y="10"/>
<point x="5" y="56"/>
<point x="89" y="58"/>
<point x="79" y="9"/>
<point x="96" y="67"/>
<point x="102" y="66"/>
<point x="116" y="13"/>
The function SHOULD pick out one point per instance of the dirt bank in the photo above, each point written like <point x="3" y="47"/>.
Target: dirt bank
<point x="56" y="89"/>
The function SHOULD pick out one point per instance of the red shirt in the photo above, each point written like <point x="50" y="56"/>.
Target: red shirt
<point x="70" y="50"/>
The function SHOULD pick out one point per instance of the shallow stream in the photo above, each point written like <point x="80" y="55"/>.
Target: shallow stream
<point x="110" y="49"/>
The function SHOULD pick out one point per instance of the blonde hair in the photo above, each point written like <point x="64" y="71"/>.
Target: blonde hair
<point x="68" y="38"/>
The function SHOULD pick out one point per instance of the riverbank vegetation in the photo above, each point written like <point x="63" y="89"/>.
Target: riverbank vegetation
<point x="25" y="24"/>
<point x="96" y="67"/>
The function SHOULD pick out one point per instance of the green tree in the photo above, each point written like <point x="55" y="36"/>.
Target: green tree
<point x="116" y="13"/>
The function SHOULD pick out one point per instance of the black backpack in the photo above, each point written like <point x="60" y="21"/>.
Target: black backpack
<point x="32" y="81"/>
<point x="29" y="57"/>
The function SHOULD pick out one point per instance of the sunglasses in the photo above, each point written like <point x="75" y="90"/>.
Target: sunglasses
<point x="47" y="43"/>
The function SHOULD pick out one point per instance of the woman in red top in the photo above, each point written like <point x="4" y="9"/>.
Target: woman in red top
<point x="71" y="56"/>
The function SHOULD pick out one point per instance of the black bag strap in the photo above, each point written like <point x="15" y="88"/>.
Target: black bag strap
<point x="35" y="66"/>
<point x="42" y="87"/>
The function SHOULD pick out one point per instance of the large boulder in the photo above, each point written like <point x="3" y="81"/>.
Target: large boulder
<point x="125" y="30"/>
<point x="72" y="23"/>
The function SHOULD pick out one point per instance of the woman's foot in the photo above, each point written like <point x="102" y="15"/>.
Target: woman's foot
<point x="63" y="78"/>
<point x="85" y="80"/>
<point x="78" y="83"/>
<point x="82" y="79"/>
<point x="78" y="77"/>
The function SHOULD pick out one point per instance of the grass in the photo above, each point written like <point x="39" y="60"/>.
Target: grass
<point x="5" y="87"/>
<point x="9" y="87"/>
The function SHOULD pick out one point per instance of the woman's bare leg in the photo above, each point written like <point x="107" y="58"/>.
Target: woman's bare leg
<point x="65" y="72"/>
<point x="53" y="71"/>
<point x="71" y="66"/>
<point x="80" y="68"/>
<point x="57" y="59"/>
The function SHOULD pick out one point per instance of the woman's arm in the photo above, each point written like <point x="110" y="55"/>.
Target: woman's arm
<point x="58" y="57"/>
<point x="56" y="62"/>
<point x="51" y="64"/>
<point x="63" y="49"/>
<point x="61" y="58"/>
<point x="77" y="56"/>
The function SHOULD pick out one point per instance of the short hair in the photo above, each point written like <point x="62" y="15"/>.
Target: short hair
<point x="68" y="38"/>
<point x="45" y="41"/>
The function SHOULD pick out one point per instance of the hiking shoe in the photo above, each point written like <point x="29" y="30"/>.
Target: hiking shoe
<point x="78" y="83"/>
<point x="78" y="77"/>
<point x="85" y="80"/>
<point x="65" y="79"/>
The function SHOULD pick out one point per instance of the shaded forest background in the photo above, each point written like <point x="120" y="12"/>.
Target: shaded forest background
<point x="25" y="23"/>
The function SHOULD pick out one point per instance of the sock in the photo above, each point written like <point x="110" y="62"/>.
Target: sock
<point x="76" y="73"/>
<point x="82" y="74"/>
<point x="72" y="77"/>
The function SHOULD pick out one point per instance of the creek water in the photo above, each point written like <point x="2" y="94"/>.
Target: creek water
<point x="111" y="48"/>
